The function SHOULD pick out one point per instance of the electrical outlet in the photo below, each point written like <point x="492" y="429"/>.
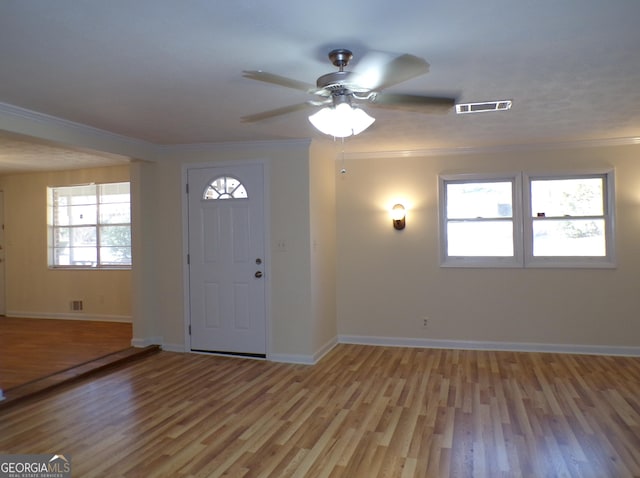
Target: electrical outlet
<point x="425" y="322"/>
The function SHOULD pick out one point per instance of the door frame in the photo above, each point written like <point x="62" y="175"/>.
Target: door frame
<point x="185" y="243"/>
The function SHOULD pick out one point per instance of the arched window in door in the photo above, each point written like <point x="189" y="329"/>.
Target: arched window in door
<point x="225" y="187"/>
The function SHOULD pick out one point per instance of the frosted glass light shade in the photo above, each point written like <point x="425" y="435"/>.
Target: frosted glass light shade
<point x="341" y="121"/>
<point x="397" y="212"/>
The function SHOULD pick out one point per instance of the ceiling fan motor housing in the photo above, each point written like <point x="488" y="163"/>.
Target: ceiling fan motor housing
<point x="334" y="81"/>
<point x="340" y="57"/>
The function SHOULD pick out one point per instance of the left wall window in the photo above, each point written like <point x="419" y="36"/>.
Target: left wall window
<point x="89" y="226"/>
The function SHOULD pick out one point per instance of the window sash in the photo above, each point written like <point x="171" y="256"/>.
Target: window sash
<point x="494" y="237"/>
<point x="90" y="226"/>
<point x="485" y="259"/>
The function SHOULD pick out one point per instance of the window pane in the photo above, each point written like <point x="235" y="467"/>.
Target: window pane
<point x="74" y="236"/>
<point x="239" y="192"/>
<point x="479" y="199"/>
<point x="225" y="187"/>
<point x="569" y="238"/>
<point x="61" y="256"/>
<point x="115" y="236"/>
<point x="74" y="195"/>
<point x="114" y="193"/>
<point x="60" y="237"/>
<point x="115" y="256"/>
<point x="480" y="239"/>
<point x="75" y="215"/>
<point x="83" y="256"/>
<point x="567" y="197"/>
<point x="83" y="236"/>
<point x="117" y="213"/>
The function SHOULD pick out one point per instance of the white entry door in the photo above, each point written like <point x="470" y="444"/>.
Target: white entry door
<point x="226" y="259"/>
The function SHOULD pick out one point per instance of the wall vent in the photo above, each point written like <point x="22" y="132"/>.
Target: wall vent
<point x="499" y="105"/>
<point x="76" y="305"/>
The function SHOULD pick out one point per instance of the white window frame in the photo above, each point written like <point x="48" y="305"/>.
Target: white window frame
<point x="523" y="222"/>
<point x="51" y="227"/>
<point x="481" y="261"/>
<point x="606" y="261"/>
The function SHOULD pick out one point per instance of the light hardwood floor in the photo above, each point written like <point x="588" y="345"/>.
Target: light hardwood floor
<point x="35" y="348"/>
<point x="361" y="412"/>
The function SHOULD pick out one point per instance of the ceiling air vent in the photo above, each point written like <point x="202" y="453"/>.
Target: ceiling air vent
<point x="499" y="105"/>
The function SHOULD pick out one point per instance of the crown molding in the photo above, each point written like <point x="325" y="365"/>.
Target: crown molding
<point x="234" y="145"/>
<point x="29" y="123"/>
<point x="21" y="120"/>
<point x="421" y="153"/>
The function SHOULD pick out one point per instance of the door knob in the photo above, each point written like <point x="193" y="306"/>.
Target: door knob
<point x="258" y="274"/>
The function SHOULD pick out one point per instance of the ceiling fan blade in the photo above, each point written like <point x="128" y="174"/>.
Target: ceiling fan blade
<point x="276" y="112"/>
<point x="376" y="71"/>
<point x="417" y="103"/>
<point x="278" y="80"/>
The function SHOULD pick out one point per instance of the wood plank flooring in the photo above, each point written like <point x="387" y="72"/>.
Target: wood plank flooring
<point x="361" y="412"/>
<point x="35" y="348"/>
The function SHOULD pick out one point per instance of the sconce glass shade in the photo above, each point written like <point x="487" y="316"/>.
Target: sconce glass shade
<point x="398" y="216"/>
<point x="341" y="121"/>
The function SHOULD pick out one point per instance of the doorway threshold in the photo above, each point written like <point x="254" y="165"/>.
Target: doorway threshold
<point x="224" y="353"/>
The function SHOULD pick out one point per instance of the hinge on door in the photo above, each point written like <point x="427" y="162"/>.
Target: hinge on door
<point x="189" y="329"/>
<point x="188" y="259"/>
<point x="187" y="188"/>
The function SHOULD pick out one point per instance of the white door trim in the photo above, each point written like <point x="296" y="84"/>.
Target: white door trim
<point x="186" y="347"/>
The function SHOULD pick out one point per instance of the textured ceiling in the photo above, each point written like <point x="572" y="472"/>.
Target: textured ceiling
<point x="170" y="72"/>
<point x="22" y="153"/>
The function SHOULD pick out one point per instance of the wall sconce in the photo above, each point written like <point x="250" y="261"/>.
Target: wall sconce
<point x="398" y="216"/>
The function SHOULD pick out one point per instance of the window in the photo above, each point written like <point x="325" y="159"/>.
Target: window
<point x="570" y="220"/>
<point x="225" y="187"/>
<point x="519" y="220"/>
<point x="90" y="226"/>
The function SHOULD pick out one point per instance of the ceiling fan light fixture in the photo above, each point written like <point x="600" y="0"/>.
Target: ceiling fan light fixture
<point x="341" y="121"/>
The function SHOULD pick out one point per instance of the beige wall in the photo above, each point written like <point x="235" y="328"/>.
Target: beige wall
<point x="344" y="270"/>
<point x="34" y="290"/>
<point x="290" y="297"/>
<point x="387" y="281"/>
<point x="322" y="214"/>
<point x="144" y="255"/>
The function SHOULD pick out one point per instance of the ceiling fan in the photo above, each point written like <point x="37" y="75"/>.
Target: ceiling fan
<point x="341" y="92"/>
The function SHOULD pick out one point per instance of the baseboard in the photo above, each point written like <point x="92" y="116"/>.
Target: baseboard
<point x="174" y="348"/>
<point x="69" y="316"/>
<point x="304" y="359"/>
<point x="292" y="358"/>
<point x="496" y="346"/>
<point x="146" y="341"/>
<point x="325" y="349"/>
